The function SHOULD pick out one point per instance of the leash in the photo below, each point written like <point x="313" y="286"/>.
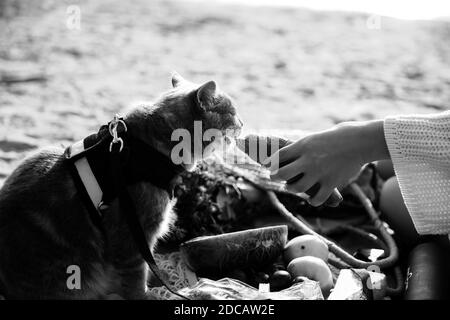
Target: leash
<point x="126" y="203"/>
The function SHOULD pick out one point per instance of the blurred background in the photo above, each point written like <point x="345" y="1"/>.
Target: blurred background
<point x="67" y="66"/>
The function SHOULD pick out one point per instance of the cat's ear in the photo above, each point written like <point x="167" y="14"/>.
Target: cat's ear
<point x="176" y="79"/>
<point x="206" y="93"/>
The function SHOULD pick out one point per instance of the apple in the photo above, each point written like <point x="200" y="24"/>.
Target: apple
<point x="306" y="245"/>
<point x="313" y="268"/>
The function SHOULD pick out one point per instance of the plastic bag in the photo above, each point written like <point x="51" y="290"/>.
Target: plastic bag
<point x="231" y="289"/>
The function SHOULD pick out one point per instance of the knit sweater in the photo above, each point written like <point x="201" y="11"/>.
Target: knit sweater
<point x="419" y="146"/>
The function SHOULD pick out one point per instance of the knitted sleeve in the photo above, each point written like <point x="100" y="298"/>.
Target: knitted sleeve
<point x="420" y="151"/>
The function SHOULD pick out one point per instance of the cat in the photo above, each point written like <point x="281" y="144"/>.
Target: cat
<point x="45" y="227"/>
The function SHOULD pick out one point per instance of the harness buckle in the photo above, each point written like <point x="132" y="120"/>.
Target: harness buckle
<point x="113" y="126"/>
<point x="116" y="140"/>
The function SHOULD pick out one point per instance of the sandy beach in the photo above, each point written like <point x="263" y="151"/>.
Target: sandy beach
<point x="287" y="69"/>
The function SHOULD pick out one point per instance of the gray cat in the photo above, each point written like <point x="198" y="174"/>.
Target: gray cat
<point x="45" y="226"/>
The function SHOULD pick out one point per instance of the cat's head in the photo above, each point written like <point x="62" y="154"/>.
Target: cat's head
<point x="206" y="102"/>
<point x="201" y="111"/>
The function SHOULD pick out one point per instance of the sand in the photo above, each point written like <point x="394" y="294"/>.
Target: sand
<point x="288" y="69"/>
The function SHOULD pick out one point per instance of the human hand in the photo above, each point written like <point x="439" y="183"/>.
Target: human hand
<point x="323" y="161"/>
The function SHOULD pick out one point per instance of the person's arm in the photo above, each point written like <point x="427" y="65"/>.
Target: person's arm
<point x="329" y="158"/>
<point x="418" y="145"/>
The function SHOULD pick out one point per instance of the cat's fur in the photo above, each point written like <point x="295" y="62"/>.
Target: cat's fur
<point x="44" y="226"/>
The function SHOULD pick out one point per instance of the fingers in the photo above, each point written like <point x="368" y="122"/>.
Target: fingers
<point x="305" y="172"/>
<point x="301" y="185"/>
<point x="321" y="196"/>
<point x="335" y="199"/>
<point x="280" y="158"/>
<point x="288" y="172"/>
<point x="299" y="180"/>
<point x="294" y="175"/>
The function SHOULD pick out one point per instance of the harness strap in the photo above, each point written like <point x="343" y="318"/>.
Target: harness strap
<point x="89" y="181"/>
<point x="94" y="157"/>
<point x="93" y="210"/>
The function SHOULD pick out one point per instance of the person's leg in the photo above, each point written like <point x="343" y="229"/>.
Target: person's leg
<point x="395" y="213"/>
